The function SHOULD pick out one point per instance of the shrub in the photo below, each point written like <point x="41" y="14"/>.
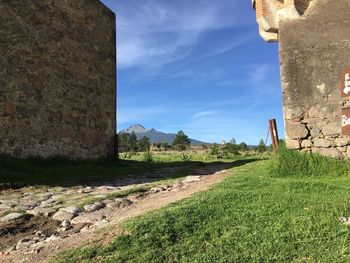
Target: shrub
<point x="126" y="156"/>
<point x="148" y="157"/>
<point x="185" y="157"/>
<point x="293" y="163"/>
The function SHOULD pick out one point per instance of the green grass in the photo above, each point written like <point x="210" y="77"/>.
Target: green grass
<point x="293" y="163"/>
<point x="17" y="172"/>
<point x="250" y="217"/>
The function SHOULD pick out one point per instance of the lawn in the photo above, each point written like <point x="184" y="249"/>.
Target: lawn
<point x="252" y="216"/>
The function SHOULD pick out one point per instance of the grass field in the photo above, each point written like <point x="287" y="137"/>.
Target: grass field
<point x="62" y="172"/>
<point x="252" y="216"/>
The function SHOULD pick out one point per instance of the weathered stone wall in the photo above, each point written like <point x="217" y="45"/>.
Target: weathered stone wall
<point x="57" y="78"/>
<point x="314" y="51"/>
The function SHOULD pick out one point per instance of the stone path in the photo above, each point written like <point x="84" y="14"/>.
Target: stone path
<point x="71" y="213"/>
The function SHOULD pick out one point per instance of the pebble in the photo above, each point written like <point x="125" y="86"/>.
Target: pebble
<point x="65" y="223"/>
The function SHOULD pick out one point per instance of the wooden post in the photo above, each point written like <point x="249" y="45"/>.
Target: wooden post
<point x="275" y="132"/>
<point x="272" y="136"/>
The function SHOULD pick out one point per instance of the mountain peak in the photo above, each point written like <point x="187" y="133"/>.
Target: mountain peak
<point x="154" y="135"/>
<point x="136" y="128"/>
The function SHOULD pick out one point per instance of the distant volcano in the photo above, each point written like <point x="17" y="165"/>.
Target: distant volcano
<point x="154" y="135"/>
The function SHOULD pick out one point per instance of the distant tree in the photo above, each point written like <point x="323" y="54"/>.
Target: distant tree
<point x="166" y="146"/>
<point x="243" y="146"/>
<point x="230" y="148"/>
<point x="204" y="146"/>
<point x="214" y="149"/>
<point x="123" y="142"/>
<point x="158" y="145"/>
<point x="144" y="144"/>
<point x="133" y="142"/>
<point x="181" y="141"/>
<point x="233" y="141"/>
<point x="261" y="147"/>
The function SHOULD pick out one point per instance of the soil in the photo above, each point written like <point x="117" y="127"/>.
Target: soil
<point x="11" y="233"/>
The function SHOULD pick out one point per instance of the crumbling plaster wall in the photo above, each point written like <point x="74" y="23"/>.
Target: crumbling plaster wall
<point x="57" y="78"/>
<point x="314" y="52"/>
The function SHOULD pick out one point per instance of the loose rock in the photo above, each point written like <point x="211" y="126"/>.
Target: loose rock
<point x="72" y="209"/>
<point x="63" y="215"/>
<point x="12" y="217"/>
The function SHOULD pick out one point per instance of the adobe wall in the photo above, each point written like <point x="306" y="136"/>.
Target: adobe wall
<point x="314" y="54"/>
<point x="57" y="78"/>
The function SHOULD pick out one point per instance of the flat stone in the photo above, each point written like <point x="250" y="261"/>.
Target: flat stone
<point x="332" y="128"/>
<point x="87" y="219"/>
<point x="72" y="209"/>
<point x="42" y="211"/>
<point x="296" y="131"/>
<point x="323" y="143"/>
<point x="24" y="243"/>
<point x="292" y="144"/>
<point x="119" y="203"/>
<point x="306" y="144"/>
<point x="92" y="208"/>
<point x="315" y="131"/>
<point x="12" y="217"/>
<point x="63" y="215"/>
<point x="191" y="179"/>
<point x="314" y="113"/>
<point x="341" y="142"/>
<point x="342" y="149"/>
<point x="5" y="206"/>
<point x="329" y="152"/>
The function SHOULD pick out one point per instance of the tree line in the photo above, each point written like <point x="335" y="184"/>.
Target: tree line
<point x="128" y="142"/>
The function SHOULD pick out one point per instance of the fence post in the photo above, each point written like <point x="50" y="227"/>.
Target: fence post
<point x="275" y="132"/>
<point x="272" y="136"/>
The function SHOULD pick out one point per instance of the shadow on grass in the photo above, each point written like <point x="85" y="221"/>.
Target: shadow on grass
<point x="18" y="173"/>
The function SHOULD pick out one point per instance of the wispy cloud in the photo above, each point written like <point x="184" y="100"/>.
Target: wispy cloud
<point x="204" y="114"/>
<point x="259" y="72"/>
<point x="155" y="32"/>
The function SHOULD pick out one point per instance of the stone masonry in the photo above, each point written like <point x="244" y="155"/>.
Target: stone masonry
<point x="57" y="78"/>
<point x="314" y="49"/>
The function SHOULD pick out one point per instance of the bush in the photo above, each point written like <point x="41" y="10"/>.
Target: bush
<point x="126" y="155"/>
<point x="148" y="157"/>
<point x="293" y="163"/>
<point x="214" y="149"/>
<point x="185" y="157"/>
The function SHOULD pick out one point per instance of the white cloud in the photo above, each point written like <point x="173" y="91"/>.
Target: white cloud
<point x="204" y="114"/>
<point x="259" y="72"/>
<point x="153" y="33"/>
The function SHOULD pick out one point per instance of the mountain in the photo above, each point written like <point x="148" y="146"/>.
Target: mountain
<point x="154" y="135"/>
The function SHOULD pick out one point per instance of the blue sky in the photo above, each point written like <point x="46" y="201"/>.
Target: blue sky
<point x="198" y="66"/>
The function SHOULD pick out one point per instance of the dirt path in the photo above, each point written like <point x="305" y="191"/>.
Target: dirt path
<point x="105" y="232"/>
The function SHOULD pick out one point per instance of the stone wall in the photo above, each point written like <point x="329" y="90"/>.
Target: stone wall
<point x="57" y="78"/>
<point x="315" y="60"/>
<point x="314" y="52"/>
